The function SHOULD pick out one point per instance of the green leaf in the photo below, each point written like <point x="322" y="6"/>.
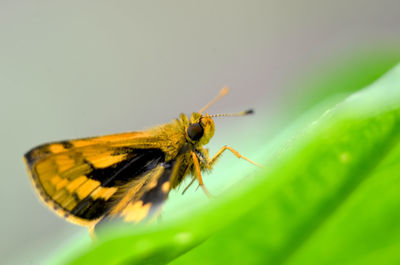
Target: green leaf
<point x="330" y="196"/>
<point x="333" y="195"/>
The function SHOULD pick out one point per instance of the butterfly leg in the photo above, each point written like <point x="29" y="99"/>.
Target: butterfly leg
<point x="187" y="187"/>
<point x="198" y="173"/>
<point x="236" y="153"/>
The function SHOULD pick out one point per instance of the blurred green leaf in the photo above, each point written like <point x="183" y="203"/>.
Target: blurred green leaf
<point x="345" y="73"/>
<point x="323" y="201"/>
<point x="331" y="196"/>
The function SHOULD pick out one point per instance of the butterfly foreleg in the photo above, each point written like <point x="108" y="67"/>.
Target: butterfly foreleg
<point x="214" y="159"/>
<point x="197" y="172"/>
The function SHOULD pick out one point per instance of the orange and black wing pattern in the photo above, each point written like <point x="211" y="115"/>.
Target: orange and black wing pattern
<point x="87" y="181"/>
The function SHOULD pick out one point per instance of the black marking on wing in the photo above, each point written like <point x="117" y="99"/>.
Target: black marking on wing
<point x="139" y="161"/>
<point x="66" y="144"/>
<point x="39" y="152"/>
<point x="143" y="161"/>
<point x="156" y="195"/>
<point x="36" y="154"/>
<point x="90" y="209"/>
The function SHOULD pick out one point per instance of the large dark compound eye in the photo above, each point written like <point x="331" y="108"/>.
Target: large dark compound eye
<point x="195" y="131"/>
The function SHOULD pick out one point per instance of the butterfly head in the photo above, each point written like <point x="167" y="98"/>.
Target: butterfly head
<point x="200" y="129"/>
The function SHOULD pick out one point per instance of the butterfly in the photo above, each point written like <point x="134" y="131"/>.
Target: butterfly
<point x="127" y="176"/>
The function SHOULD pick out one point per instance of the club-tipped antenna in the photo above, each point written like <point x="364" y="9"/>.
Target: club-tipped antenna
<point x="222" y="93"/>
<point x="242" y="113"/>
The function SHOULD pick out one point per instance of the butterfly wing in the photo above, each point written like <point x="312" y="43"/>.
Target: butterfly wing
<point x="92" y="179"/>
<point x="141" y="198"/>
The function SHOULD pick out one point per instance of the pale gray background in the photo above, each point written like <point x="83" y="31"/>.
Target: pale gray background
<point x="73" y="69"/>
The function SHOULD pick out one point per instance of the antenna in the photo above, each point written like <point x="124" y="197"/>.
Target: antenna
<point x="242" y="113"/>
<point x="222" y="93"/>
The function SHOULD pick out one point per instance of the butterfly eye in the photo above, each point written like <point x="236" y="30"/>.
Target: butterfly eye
<point x="195" y="131"/>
